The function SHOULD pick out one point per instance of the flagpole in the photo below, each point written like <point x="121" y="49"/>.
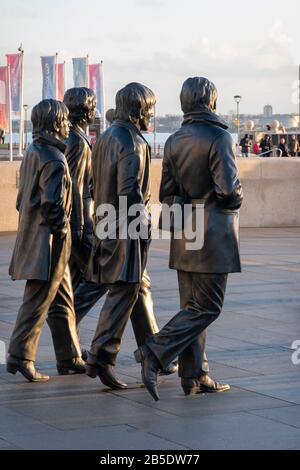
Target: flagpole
<point x="87" y="85"/>
<point x="87" y="82"/>
<point x="154" y="132"/>
<point x="102" y="97"/>
<point x="64" y="77"/>
<point x="297" y="138"/>
<point x="21" y="129"/>
<point x="56" y="76"/>
<point x="9" y="113"/>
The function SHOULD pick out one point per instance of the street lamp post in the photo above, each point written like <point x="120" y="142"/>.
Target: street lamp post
<point x="237" y="99"/>
<point x="25" y="106"/>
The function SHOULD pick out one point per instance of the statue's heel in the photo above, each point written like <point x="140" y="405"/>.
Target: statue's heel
<point x="91" y="371"/>
<point x="190" y="386"/>
<point x="12" y="368"/>
<point x="63" y="370"/>
<point x="139" y="356"/>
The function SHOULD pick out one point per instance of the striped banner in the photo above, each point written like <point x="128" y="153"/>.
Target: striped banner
<point x="4" y="119"/>
<point x="96" y="83"/>
<point x="80" y="67"/>
<point x="15" y="63"/>
<point x="49" y="77"/>
<point x="60" y="81"/>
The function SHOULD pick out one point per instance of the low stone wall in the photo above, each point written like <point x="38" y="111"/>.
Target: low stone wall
<point x="9" y="174"/>
<point x="271" y="192"/>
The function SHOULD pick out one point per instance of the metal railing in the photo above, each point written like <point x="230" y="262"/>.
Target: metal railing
<point x="274" y="152"/>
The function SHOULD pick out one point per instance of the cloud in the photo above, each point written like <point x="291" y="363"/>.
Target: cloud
<point x="126" y="37"/>
<point x="260" y="70"/>
<point x="150" y="3"/>
<point x="276" y="51"/>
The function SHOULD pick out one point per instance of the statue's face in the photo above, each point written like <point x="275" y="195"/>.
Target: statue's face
<point x="92" y="112"/>
<point x="64" y="129"/>
<point x="146" y="118"/>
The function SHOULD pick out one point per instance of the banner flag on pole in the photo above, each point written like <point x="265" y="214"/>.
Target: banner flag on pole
<point x="96" y="84"/>
<point x="60" y="81"/>
<point x="49" y="77"/>
<point x="102" y="89"/>
<point x="4" y="118"/>
<point x="80" y="66"/>
<point x="15" y="64"/>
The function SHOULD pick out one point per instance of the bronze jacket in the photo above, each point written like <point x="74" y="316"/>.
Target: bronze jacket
<point x="120" y="167"/>
<point x="78" y="155"/>
<point x="44" y="204"/>
<point x="199" y="162"/>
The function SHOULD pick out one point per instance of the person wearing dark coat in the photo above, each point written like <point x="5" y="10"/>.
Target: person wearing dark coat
<point x="43" y="246"/>
<point x="199" y="165"/>
<point x="283" y="147"/>
<point x="266" y="145"/>
<point x="245" y="145"/>
<point x="121" y="168"/>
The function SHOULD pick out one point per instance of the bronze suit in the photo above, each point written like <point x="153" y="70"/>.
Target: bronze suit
<point x="121" y="167"/>
<point x="86" y="294"/>
<point x="199" y="165"/>
<point x="78" y="155"/>
<point x="42" y="250"/>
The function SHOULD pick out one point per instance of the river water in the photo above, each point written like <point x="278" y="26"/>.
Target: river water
<point x="160" y="138"/>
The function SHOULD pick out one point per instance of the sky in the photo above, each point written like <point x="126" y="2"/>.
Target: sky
<point x="247" y="48"/>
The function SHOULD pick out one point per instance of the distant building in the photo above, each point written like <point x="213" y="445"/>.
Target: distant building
<point x="268" y="111"/>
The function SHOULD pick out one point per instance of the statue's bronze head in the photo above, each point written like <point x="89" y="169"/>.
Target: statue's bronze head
<point x="198" y="94"/>
<point x="81" y="103"/>
<point x="135" y="102"/>
<point x="52" y="117"/>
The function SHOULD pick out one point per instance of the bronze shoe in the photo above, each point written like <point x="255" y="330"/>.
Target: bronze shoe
<point x="150" y="369"/>
<point x="171" y="369"/>
<point x="26" y="368"/>
<point x="105" y="373"/>
<point x="71" y="366"/>
<point x="84" y="355"/>
<point x="190" y="386"/>
<point x="209" y="385"/>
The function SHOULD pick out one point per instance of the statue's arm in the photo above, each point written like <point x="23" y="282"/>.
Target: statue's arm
<point x="52" y="188"/>
<point x="168" y="186"/>
<point x="224" y="172"/>
<point x="128" y="178"/>
<point x="76" y="162"/>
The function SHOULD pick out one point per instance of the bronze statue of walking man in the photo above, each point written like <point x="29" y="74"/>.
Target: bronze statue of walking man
<point x="199" y="167"/>
<point x="121" y="169"/>
<point x="43" y="247"/>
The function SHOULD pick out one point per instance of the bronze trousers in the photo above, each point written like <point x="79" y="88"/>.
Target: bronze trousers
<point x="38" y="296"/>
<point x="202" y="297"/>
<point x="124" y="301"/>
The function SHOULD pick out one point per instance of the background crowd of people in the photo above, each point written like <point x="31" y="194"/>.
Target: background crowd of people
<point x="264" y="147"/>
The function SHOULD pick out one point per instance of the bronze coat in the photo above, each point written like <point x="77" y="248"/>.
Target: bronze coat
<point x="44" y="204"/>
<point x="202" y="154"/>
<point x="78" y="155"/>
<point x="121" y="167"/>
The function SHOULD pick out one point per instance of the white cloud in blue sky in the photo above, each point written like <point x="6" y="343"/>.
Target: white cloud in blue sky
<point x="250" y="48"/>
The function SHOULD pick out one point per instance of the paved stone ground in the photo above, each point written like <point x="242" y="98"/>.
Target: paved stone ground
<point x="249" y="346"/>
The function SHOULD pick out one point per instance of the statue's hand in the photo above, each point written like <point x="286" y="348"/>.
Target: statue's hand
<point x="77" y="235"/>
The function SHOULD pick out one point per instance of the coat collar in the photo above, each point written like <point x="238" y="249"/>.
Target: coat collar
<point x="79" y="131"/>
<point x="204" y="116"/>
<point x="43" y="137"/>
<point x="131" y="127"/>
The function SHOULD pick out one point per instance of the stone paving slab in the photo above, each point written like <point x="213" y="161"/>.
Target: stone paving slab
<point x="249" y="346"/>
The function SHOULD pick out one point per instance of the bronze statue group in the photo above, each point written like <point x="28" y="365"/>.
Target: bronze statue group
<point x="67" y="268"/>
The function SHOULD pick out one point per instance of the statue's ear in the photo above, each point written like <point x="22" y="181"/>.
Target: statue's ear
<point x="55" y="127"/>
